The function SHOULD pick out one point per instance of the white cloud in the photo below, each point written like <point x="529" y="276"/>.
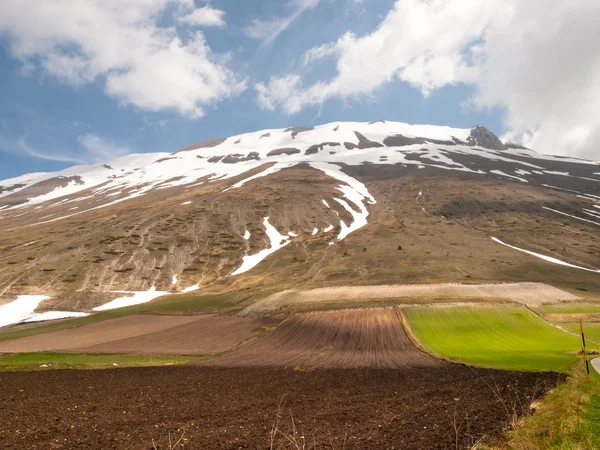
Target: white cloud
<point x="538" y="60"/>
<point x="268" y="30"/>
<point x="92" y="149"/>
<point x="145" y="64"/>
<point x="206" y="16"/>
<point x="95" y="149"/>
<point x="20" y="147"/>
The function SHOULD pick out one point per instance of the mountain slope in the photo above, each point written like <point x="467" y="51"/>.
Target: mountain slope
<point x="336" y="204"/>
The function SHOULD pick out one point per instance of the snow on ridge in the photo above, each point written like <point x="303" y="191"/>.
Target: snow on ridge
<point x="137" y="298"/>
<point x="544" y="257"/>
<point x="277" y="241"/>
<point x="132" y="176"/>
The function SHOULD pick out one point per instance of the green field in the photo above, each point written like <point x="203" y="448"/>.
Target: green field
<point x="569" y="308"/>
<point x="49" y="361"/>
<point x="172" y="304"/>
<point x="497" y="336"/>
<point x="591" y="330"/>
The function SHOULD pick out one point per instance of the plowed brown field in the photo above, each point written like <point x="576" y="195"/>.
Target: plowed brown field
<point x="206" y="335"/>
<point x="174" y="335"/>
<point x="437" y="408"/>
<point x="340" y="339"/>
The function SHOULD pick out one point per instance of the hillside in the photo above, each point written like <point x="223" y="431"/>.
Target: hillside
<point x="332" y="205"/>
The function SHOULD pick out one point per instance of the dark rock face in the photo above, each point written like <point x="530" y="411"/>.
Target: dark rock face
<point x="238" y="157"/>
<point x="363" y="143"/>
<point x="164" y="159"/>
<point x="10" y="188"/>
<point x="296" y="130"/>
<point x="482" y="137"/>
<point x="317" y="148"/>
<point x="399" y="140"/>
<point x="283" y="151"/>
<point x="265" y="135"/>
<point x="515" y="146"/>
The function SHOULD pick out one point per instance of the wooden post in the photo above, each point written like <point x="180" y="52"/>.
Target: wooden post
<point x="585" y="358"/>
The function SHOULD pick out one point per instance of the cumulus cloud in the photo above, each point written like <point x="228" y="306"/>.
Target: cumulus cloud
<point x="268" y="30"/>
<point x="537" y="60"/>
<point x="144" y="63"/>
<point x="206" y="16"/>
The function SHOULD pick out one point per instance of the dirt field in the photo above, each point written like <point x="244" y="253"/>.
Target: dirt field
<point x="208" y="334"/>
<point x="181" y="335"/>
<point x="340" y="339"/>
<point x="233" y="408"/>
<point x="525" y="293"/>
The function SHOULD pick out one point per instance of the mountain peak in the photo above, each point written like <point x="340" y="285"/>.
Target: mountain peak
<point x="482" y="137"/>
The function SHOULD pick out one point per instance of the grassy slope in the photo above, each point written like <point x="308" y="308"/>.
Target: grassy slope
<point x="567" y="419"/>
<point x="503" y="336"/>
<point x="569" y="308"/>
<point x="34" y="361"/>
<point x="591" y="330"/>
<point x="175" y="304"/>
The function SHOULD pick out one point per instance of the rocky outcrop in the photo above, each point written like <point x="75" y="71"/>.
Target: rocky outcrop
<point x="482" y="137"/>
<point x="283" y="151"/>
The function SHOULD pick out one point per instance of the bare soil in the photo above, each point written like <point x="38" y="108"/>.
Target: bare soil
<point x="525" y="293"/>
<point x="449" y="406"/>
<point x="181" y="335"/>
<point x="340" y="339"/>
<point x="206" y="335"/>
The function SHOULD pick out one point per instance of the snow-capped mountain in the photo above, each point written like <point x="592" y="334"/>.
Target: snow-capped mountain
<point x="213" y="213"/>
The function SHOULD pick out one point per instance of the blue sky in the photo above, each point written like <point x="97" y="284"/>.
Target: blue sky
<point x="74" y="94"/>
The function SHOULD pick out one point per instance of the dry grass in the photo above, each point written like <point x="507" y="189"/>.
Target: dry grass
<point x="525" y="293"/>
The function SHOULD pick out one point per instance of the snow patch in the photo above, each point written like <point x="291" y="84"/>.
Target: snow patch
<point x="325" y="203"/>
<point x="277" y="240"/>
<point x="328" y="229"/>
<point x="54" y="315"/>
<point x="193" y="288"/>
<point x="247" y="235"/>
<point x="544" y="257"/>
<point x="174" y="280"/>
<point x="570" y="215"/>
<point x="189" y="202"/>
<point x="20" y="309"/>
<point x="502" y="174"/>
<point x="315" y="231"/>
<point x="136" y="298"/>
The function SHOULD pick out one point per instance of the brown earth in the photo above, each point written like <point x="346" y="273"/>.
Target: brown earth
<point x="441" y="236"/>
<point x="340" y="339"/>
<point x="206" y="335"/>
<point x="152" y="334"/>
<point x="443" y="407"/>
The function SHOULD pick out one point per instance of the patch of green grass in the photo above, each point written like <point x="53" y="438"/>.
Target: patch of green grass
<point x="591" y="330"/>
<point x="567" y="419"/>
<point x="49" y="361"/>
<point x="172" y="304"/>
<point x="569" y="308"/>
<point x="497" y="336"/>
